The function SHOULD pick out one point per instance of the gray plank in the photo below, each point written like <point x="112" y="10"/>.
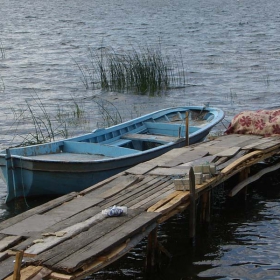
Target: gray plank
<point x="267" y="145"/>
<point x="229" y="161"/>
<point x="82" y="216"/>
<point x="162" y="171"/>
<point x="27" y="227"/>
<point x="228" y="152"/>
<point x="37" y="210"/>
<point x="84" y="239"/>
<point x="106" y="242"/>
<point x="127" y="192"/>
<point x="185" y="156"/>
<point x="9" y="241"/>
<point x="7" y="267"/>
<point x="141" y="168"/>
<point x="73" y="207"/>
<point x="142" y="192"/>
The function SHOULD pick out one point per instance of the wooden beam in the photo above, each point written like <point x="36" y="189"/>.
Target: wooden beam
<point x="152" y="248"/>
<point x="252" y="179"/>
<point x="16" y="274"/>
<point x="192" y="206"/>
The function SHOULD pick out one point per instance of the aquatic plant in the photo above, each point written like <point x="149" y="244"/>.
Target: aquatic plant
<point x="144" y="71"/>
<point x="44" y="125"/>
<point x="109" y="113"/>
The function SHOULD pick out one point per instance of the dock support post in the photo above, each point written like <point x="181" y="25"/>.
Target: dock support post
<point x="187" y="128"/>
<point x="19" y="256"/>
<point x="152" y="247"/>
<point x="243" y="175"/>
<point x="205" y="211"/>
<point x="192" y="206"/>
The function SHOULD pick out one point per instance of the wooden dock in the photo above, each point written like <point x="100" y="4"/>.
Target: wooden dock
<point x="69" y="237"/>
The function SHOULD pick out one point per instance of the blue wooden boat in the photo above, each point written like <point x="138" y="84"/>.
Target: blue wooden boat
<point x="74" y="164"/>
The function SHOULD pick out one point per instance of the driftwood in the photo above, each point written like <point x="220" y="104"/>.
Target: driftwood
<point x="252" y="179"/>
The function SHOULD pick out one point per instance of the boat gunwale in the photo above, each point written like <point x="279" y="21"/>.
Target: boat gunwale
<point x="218" y="116"/>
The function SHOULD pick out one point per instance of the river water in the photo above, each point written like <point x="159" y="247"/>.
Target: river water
<point x="231" y="56"/>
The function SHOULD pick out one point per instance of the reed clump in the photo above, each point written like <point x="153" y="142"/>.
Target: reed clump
<point x="43" y="125"/>
<point x="146" y="71"/>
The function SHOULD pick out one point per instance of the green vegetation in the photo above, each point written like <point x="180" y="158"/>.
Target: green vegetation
<point x="46" y="124"/>
<point x="145" y="71"/>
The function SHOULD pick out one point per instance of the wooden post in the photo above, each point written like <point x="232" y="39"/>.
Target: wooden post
<point x="243" y="175"/>
<point x="205" y="211"/>
<point x="187" y="128"/>
<point x="151" y="258"/>
<point x="10" y="175"/>
<point x="19" y="256"/>
<point x="192" y="206"/>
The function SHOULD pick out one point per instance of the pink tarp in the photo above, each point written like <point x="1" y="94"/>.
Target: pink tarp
<point x="261" y="122"/>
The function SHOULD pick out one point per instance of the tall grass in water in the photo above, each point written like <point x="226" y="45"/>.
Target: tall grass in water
<point x="142" y="72"/>
<point x="44" y="126"/>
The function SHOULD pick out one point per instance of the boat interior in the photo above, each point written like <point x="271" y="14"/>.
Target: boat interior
<point x="119" y="141"/>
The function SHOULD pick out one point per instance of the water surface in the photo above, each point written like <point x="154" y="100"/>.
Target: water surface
<point x="230" y="51"/>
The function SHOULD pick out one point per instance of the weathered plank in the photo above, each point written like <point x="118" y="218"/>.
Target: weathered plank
<point x="164" y="201"/>
<point x="7" y="267"/>
<point x="32" y="224"/>
<point x="228" y="152"/>
<point x="164" y="171"/>
<point x="37" y="210"/>
<point x="3" y="255"/>
<point x="123" y="184"/>
<point x="128" y="192"/>
<point x="101" y="184"/>
<point x="61" y="276"/>
<point x="161" y="160"/>
<point x="184" y="157"/>
<point x="148" y="194"/>
<point x="77" y="242"/>
<point x="149" y="201"/>
<point x="173" y="203"/>
<point x="115" y="253"/>
<point x="212" y="150"/>
<point x="200" y="161"/>
<point x="257" y="143"/>
<point x="67" y="233"/>
<point x="118" y="183"/>
<point x="141" y="168"/>
<point x="73" y="207"/>
<point x="237" y="162"/>
<point x="268" y="145"/>
<point x="136" y="191"/>
<point x="107" y="242"/>
<point x="253" y="178"/>
<point x="30" y="272"/>
<point x="228" y="141"/>
<point x="227" y="161"/>
<point x="76" y="219"/>
<point x="9" y="241"/>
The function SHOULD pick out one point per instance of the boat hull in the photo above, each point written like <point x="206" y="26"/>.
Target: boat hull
<point x="29" y="176"/>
